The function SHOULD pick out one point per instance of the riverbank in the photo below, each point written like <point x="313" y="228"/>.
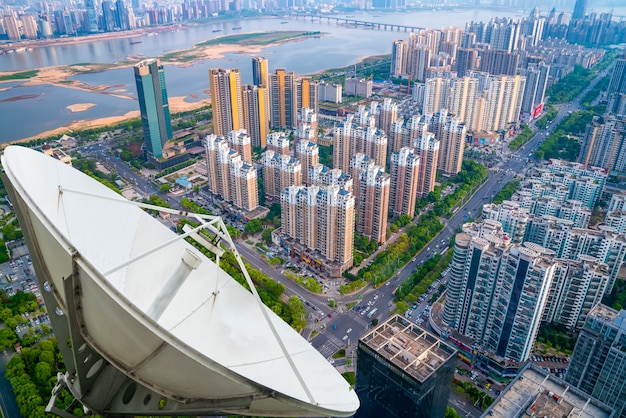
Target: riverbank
<point x="61" y="77"/>
<point x="177" y="105"/>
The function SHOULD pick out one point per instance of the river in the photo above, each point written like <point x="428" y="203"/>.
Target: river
<point x="29" y="110"/>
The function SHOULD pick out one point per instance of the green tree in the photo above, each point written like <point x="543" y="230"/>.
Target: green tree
<point x="5" y="314"/>
<point x="253" y="227"/>
<point x="267" y="235"/>
<point x="451" y="412"/>
<point x="7" y="338"/>
<point x="298" y="313"/>
<point x="43" y="372"/>
<point x="28" y="340"/>
<point x="47" y="357"/>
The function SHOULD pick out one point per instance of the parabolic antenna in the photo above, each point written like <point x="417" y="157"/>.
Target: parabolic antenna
<point x="148" y="325"/>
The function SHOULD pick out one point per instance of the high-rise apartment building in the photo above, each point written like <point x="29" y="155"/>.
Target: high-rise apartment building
<point x="308" y="154"/>
<point x="280" y="171"/>
<point x="618" y="77"/>
<point x="330" y="92"/>
<point x="497" y="292"/>
<point x="307" y="116"/>
<point x="408" y="369"/>
<point x="464" y="100"/>
<point x="419" y="58"/>
<point x="29" y="26"/>
<point x="320" y="175"/>
<point x="428" y="150"/>
<point x="451" y="133"/>
<point x="535" y="88"/>
<point x="322" y="219"/>
<point x="217" y="151"/>
<point x="256" y="118"/>
<point x="577" y="286"/>
<point x="278" y="142"/>
<point x="398" y="58"/>
<point x="307" y="94"/>
<point x="229" y="176"/>
<point x="240" y="142"/>
<point x="436" y="95"/>
<point x="503" y="102"/>
<point x="359" y="87"/>
<point x="407" y="133"/>
<point x="244" y="185"/>
<point x="500" y="33"/>
<point x="372" y="202"/>
<point x="466" y="59"/>
<point x="387" y="113"/>
<point x="371" y="189"/>
<point x="153" y="105"/>
<point x="260" y="71"/>
<point x="350" y="138"/>
<point x="513" y="218"/>
<point x="304" y="132"/>
<point x="498" y="61"/>
<point x="536" y="392"/>
<point x="283" y="103"/>
<point x="226" y="100"/>
<point x="571" y="243"/>
<point x="604" y="144"/>
<point x="343" y="147"/>
<point x="404" y="170"/>
<point x="598" y="364"/>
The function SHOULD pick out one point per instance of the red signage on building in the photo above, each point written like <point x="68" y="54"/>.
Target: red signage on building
<point x="537" y="110"/>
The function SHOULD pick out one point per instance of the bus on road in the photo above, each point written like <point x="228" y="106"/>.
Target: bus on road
<point x="372" y="312"/>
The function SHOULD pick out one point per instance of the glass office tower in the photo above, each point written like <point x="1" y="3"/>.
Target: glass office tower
<point x="153" y="104"/>
<point x="403" y="371"/>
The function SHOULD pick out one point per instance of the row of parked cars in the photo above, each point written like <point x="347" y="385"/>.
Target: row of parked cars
<point x="550" y="359"/>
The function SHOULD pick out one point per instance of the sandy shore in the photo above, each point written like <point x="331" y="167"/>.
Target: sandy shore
<point x="80" y="107"/>
<point x="177" y="104"/>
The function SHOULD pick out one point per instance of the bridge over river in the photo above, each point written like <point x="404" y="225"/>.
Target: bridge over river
<point x="354" y="22"/>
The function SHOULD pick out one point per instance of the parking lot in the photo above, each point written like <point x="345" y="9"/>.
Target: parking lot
<point x="18" y="274"/>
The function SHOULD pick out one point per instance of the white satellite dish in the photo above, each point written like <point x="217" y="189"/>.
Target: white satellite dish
<point x="146" y="313"/>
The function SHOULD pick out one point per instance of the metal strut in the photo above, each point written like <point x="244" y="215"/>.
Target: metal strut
<point x="215" y="225"/>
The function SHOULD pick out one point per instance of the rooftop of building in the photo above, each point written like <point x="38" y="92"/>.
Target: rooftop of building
<point x="604" y="313"/>
<point x="535" y="392"/>
<point x="417" y="352"/>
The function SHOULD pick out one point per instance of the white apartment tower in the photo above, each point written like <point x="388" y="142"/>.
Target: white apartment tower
<point x="497" y="293"/>
<point x="308" y="154"/>
<point x="241" y="143"/>
<point x="278" y="142"/>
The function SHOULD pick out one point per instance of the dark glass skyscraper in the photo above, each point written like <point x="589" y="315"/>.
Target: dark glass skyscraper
<point x="598" y="365"/>
<point x="403" y="371"/>
<point x="579" y="9"/>
<point x="92" y="16"/>
<point x="153" y="104"/>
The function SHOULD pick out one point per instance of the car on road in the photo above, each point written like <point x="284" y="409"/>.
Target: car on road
<point x="349" y="330"/>
<point x="345" y="337"/>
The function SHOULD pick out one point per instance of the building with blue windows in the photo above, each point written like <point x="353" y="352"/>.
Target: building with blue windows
<point x="154" y="107"/>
